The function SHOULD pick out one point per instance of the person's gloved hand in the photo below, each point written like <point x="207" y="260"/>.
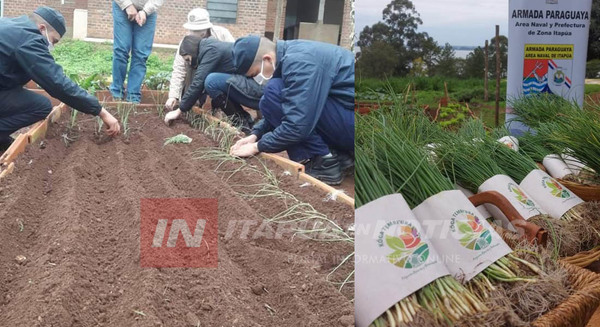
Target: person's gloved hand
<point x="112" y="124"/>
<point x="170" y="104"/>
<point x="246" y="140"/>
<point x="140" y="18"/>
<point x="171" y="116"/>
<point x="246" y="150"/>
<point x="131" y="13"/>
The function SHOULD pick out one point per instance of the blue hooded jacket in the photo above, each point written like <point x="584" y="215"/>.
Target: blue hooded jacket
<point x="24" y="56"/>
<point x="311" y="72"/>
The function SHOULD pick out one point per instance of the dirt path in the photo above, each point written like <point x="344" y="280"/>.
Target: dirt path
<point x="73" y="212"/>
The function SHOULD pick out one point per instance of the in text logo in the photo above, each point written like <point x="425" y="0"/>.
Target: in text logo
<point x="179" y="233"/>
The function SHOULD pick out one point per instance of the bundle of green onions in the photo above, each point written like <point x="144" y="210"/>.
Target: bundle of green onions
<point x="541" y="108"/>
<point x="580" y="138"/>
<point x="438" y="303"/>
<point x="563" y="127"/>
<point x="575" y="230"/>
<point x="406" y="169"/>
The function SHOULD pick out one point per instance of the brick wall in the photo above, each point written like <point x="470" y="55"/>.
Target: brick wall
<point x="254" y="17"/>
<point x="172" y="15"/>
<point x="13" y="8"/>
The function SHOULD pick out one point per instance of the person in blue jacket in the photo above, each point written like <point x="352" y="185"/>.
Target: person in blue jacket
<point x="308" y="103"/>
<point x="25" y="44"/>
<point x="211" y="57"/>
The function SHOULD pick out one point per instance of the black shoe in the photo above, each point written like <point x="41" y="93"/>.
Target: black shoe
<point x="346" y="160"/>
<point x="4" y="145"/>
<point x="327" y="170"/>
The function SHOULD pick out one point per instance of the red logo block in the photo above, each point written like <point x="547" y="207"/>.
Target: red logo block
<point x="179" y="233"/>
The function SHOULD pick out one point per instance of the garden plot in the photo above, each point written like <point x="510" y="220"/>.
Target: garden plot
<point x="69" y="254"/>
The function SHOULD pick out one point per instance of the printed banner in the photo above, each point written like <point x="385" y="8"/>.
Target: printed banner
<point x="467" y="241"/>
<point x="393" y="257"/>
<point x="547" y="49"/>
<point x="519" y="199"/>
<point x="549" y="194"/>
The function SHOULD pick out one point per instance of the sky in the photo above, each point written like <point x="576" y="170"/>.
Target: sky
<point x="458" y="22"/>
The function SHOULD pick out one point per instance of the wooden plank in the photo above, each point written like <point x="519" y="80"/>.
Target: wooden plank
<point x="15" y="149"/>
<point x="342" y="197"/>
<point x="38" y="131"/>
<point x="287" y="164"/>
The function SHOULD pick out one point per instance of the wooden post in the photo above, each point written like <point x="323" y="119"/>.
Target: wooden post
<point x="486" y="94"/>
<point x="497" y="117"/>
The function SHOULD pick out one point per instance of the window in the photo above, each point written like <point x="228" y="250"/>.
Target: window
<point x="1" y="8"/>
<point x="222" y="11"/>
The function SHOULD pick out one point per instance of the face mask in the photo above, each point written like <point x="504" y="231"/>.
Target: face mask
<point x="261" y="78"/>
<point x="50" y="45"/>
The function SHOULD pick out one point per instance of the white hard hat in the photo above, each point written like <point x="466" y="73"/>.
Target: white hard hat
<point x="198" y="19"/>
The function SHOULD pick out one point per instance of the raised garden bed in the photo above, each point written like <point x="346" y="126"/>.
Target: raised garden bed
<point x="72" y="210"/>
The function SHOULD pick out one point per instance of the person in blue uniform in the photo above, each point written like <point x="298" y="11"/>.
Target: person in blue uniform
<point x="307" y="105"/>
<point x="25" y="44"/>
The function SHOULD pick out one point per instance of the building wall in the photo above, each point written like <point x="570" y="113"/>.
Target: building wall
<point x="251" y="19"/>
<point x="13" y="8"/>
<point x="254" y="17"/>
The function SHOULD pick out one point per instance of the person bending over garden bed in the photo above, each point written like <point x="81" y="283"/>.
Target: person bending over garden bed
<point x="213" y="61"/>
<point x="308" y="103"/>
<point x="25" y="44"/>
<point x="199" y="25"/>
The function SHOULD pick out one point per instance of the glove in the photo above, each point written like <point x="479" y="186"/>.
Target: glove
<point x="171" y="116"/>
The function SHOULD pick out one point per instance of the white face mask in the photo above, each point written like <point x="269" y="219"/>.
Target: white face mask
<point x="261" y="78"/>
<point x="50" y="45"/>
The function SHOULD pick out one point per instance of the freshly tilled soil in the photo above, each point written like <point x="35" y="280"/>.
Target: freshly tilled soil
<point x="73" y="213"/>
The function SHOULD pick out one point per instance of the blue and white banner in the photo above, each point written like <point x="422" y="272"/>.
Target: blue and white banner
<point x="547" y="48"/>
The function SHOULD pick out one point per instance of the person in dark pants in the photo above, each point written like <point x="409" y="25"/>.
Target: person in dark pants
<point x="25" y="44"/>
<point x="308" y="103"/>
<point x="211" y="57"/>
<point x="134" y="25"/>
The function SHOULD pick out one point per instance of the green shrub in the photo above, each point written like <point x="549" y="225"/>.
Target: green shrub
<point x="592" y="69"/>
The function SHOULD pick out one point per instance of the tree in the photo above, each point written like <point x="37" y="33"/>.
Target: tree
<point x="445" y="63"/>
<point x="594" y="38"/>
<point x="475" y="63"/>
<point x="378" y="60"/>
<point x="399" y="29"/>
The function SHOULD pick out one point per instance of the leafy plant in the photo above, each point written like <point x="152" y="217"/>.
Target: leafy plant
<point x="180" y="138"/>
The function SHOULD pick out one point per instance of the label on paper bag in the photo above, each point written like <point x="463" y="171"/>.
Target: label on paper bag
<point x="510" y="141"/>
<point x="517" y="197"/>
<point x="393" y="258"/>
<point x="499" y="218"/>
<point x="467" y="241"/>
<point x="555" y="166"/>
<point x="549" y="193"/>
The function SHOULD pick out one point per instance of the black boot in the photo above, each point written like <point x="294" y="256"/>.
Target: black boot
<point x="239" y="117"/>
<point x="325" y="169"/>
<point x="346" y="161"/>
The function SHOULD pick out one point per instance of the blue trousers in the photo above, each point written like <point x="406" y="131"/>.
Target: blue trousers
<point x="19" y="108"/>
<point x="334" y="129"/>
<point x="130" y="37"/>
<point x="216" y="85"/>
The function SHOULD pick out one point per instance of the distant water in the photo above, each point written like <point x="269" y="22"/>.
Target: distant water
<point x="461" y="53"/>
